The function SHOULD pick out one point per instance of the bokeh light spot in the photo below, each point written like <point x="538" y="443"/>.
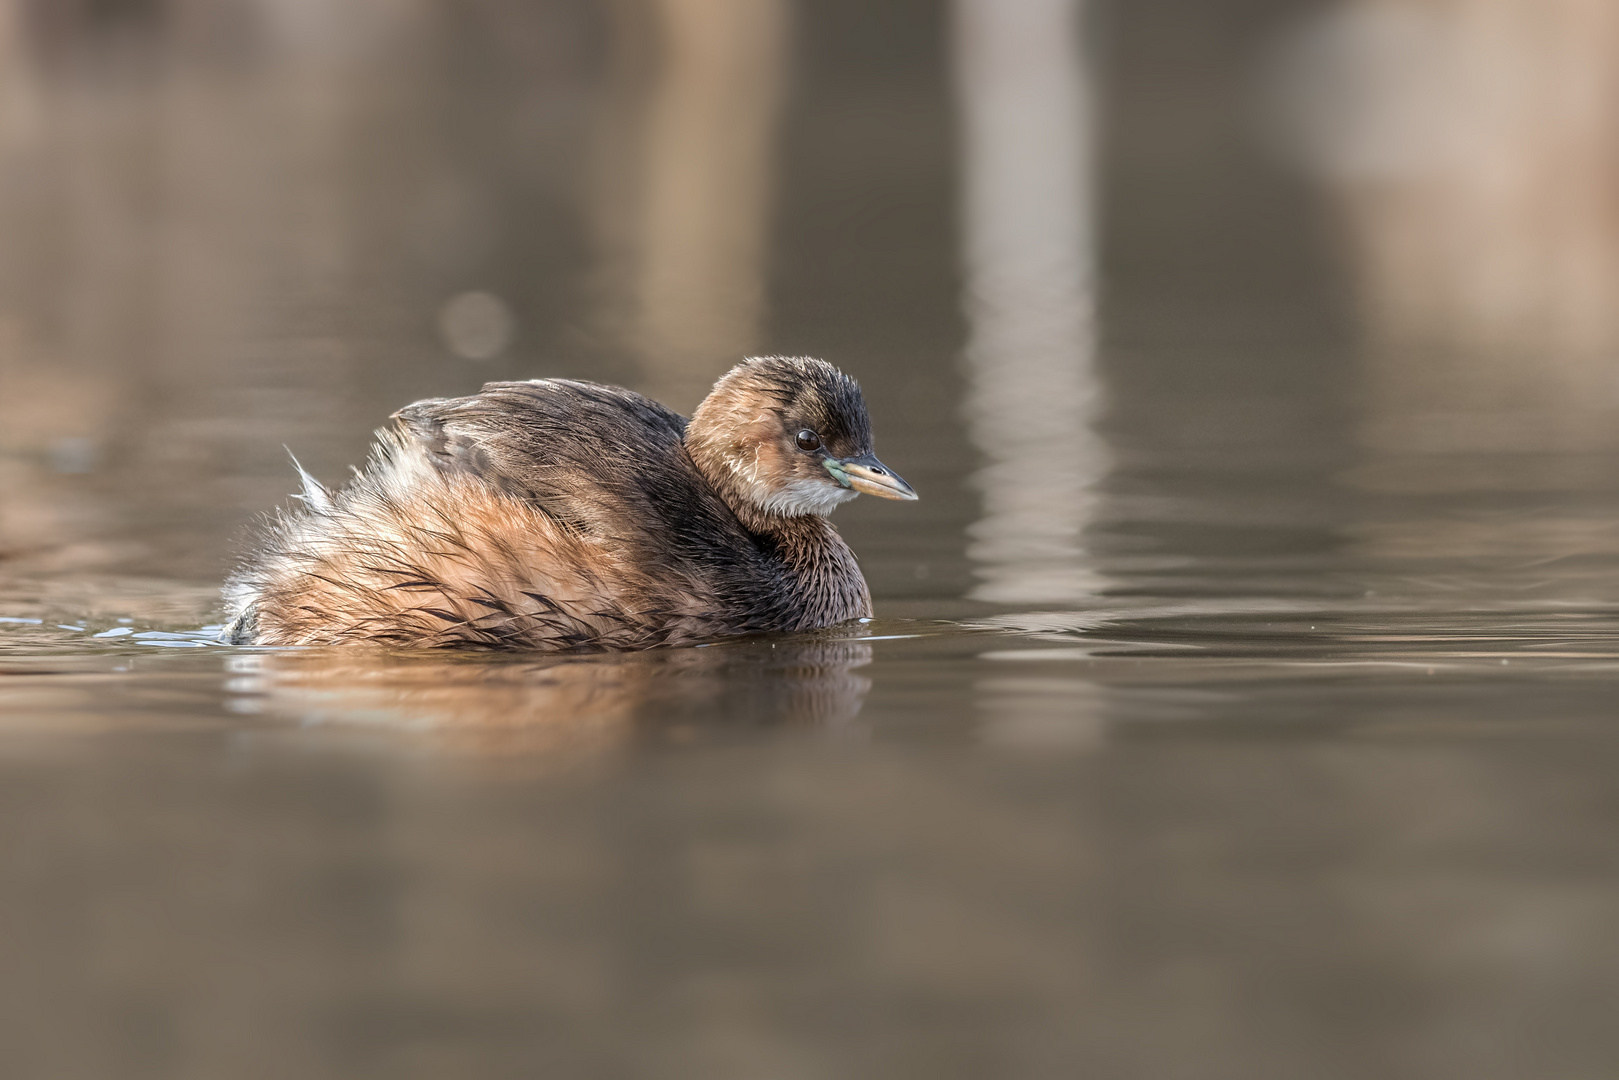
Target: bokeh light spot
<point x="476" y="325"/>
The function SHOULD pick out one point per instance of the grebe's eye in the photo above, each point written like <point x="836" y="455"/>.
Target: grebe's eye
<point x="808" y="440"/>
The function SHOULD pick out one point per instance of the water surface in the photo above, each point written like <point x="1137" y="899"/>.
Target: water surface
<point x="1240" y="701"/>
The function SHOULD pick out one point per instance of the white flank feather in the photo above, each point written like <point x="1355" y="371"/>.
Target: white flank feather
<point x="314" y="496"/>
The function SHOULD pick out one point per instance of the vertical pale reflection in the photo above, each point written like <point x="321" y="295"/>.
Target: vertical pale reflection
<point x="18" y="116"/>
<point x="1029" y="241"/>
<point x="687" y="178"/>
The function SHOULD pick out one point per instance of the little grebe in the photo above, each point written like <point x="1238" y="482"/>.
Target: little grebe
<point x="556" y="514"/>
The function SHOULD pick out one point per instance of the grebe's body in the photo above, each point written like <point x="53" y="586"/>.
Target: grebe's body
<point x="556" y="514"/>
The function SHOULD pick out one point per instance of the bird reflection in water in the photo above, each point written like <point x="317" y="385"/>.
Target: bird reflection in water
<point x="568" y="709"/>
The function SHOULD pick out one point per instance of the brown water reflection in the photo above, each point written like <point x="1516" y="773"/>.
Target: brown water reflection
<point x="685" y="179"/>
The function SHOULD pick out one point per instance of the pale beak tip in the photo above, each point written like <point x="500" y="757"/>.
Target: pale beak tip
<point x="869" y="476"/>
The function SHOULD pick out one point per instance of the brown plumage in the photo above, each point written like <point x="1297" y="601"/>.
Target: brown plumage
<point x="556" y="514"/>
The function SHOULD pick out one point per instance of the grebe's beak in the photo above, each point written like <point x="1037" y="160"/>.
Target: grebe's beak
<point x="869" y="476"/>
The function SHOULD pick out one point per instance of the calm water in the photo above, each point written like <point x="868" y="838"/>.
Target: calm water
<point x="1241" y="697"/>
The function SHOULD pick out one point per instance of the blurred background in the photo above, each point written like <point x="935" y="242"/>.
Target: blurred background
<point x="1240" y="700"/>
<point x="237" y="226"/>
<point x="1369" y="248"/>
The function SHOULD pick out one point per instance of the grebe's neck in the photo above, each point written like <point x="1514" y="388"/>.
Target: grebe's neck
<point x="826" y="580"/>
<point x="825" y="583"/>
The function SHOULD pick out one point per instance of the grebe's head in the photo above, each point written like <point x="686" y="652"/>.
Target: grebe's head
<point x="789" y="436"/>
